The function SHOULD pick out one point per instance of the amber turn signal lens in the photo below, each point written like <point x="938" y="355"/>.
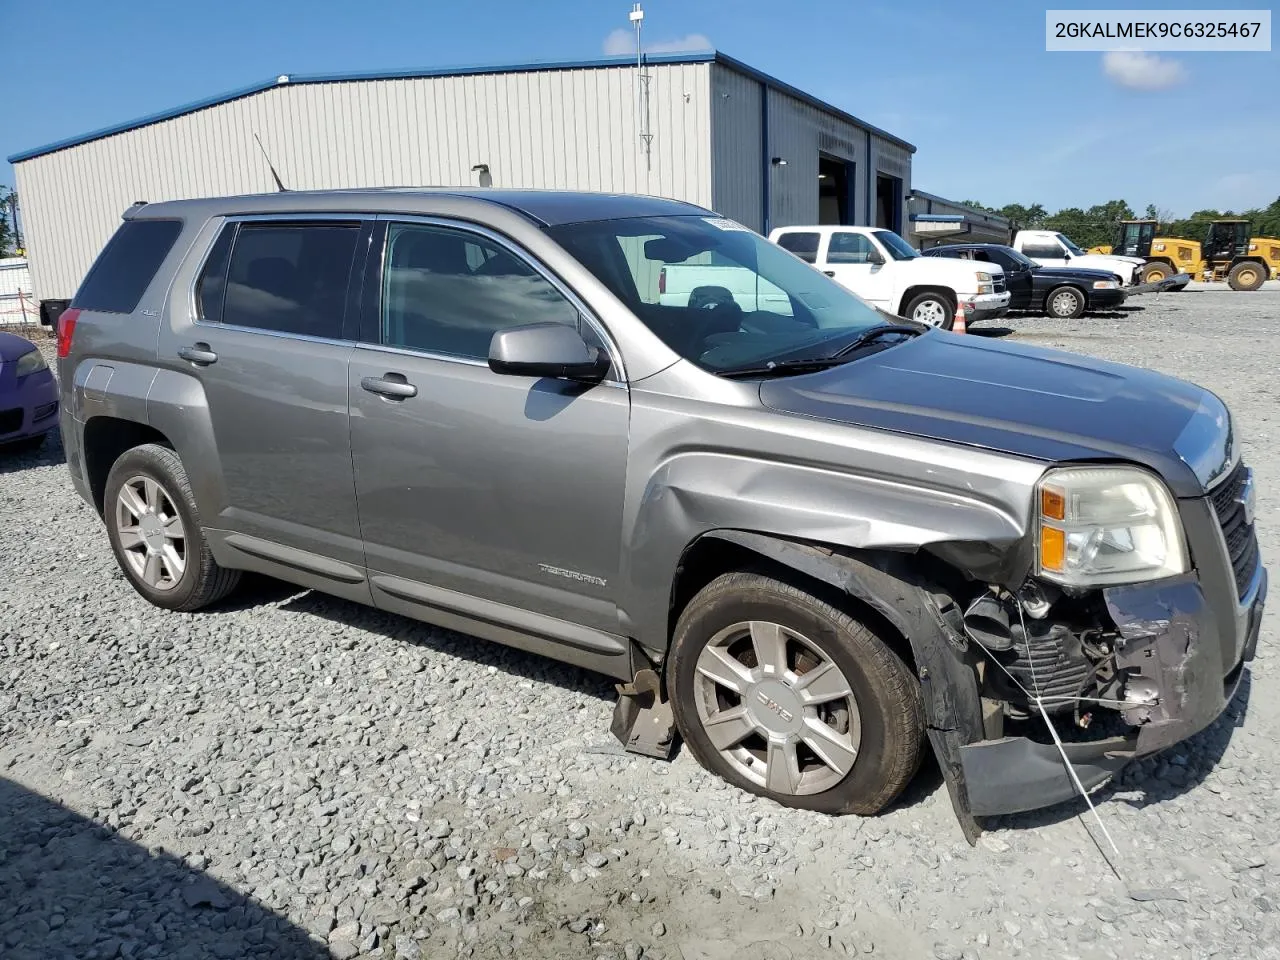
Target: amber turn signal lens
<point x="1053" y="505"/>
<point x="1053" y="549"/>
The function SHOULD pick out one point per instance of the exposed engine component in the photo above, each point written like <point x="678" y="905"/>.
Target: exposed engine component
<point x="1060" y="661"/>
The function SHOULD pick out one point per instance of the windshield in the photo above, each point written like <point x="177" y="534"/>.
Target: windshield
<point x="898" y="248"/>
<point x="1066" y="242"/>
<point x="717" y="293"/>
<point x="1019" y="258"/>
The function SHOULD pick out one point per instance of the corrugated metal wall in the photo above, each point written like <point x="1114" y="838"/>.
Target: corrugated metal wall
<point x="573" y="128"/>
<point x="797" y="132"/>
<point x="736" y="154"/>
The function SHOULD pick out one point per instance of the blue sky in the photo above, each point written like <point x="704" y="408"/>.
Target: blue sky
<point x="994" y="116"/>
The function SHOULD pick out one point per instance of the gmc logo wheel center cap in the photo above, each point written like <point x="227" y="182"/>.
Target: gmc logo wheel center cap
<point x="775" y="706"/>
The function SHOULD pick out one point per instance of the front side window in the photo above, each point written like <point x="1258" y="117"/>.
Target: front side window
<point x="448" y="291"/>
<point x="285" y="277"/>
<point x="803" y="245"/>
<point x="849" y="248"/>
<point x="749" y="301"/>
<point x="1042" y="250"/>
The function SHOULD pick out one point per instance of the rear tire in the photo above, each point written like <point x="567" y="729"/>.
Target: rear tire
<point x="1247" y="276"/>
<point x="1155" y="272"/>
<point x="933" y="309"/>
<point x="826" y="716"/>
<point x="1065" y="303"/>
<point x="155" y="531"/>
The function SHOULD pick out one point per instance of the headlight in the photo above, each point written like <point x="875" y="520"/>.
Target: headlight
<point x="986" y="288"/>
<point x="1104" y="284"/>
<point x="982" y="276"/>
<point x="1107" y="525"/>
<point x="32" y="362"/>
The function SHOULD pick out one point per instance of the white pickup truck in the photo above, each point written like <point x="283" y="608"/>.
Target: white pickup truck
<point x="1049" y="248"/>
<point x="876" y="264"/>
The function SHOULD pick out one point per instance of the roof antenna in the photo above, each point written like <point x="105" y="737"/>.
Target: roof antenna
<point x="270" y="166"/>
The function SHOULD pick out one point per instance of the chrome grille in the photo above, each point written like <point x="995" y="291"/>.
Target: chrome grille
<point x="1237" y="530"/>
<point x="997" y="280"/>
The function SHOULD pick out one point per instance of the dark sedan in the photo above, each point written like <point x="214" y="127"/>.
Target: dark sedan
<point x="1063" y="292"/>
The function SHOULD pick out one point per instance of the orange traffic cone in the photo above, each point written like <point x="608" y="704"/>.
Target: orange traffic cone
<point x="959" y="325"/>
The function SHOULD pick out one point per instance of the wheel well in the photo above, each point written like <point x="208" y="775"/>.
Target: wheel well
<point x="105" y="439"/>
<point x="710" y="557"/>
<point x="912" y="292"/>
<point x="1163" y="261"/>
<point x="1068" y="285"/>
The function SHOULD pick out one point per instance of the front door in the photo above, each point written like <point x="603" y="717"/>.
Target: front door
<point x="504" y="489"/>
<point x="850" y="259"/>
<point x="267" y="345"/>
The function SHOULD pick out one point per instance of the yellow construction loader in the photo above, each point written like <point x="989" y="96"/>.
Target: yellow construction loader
<point x="1228" y="253"/>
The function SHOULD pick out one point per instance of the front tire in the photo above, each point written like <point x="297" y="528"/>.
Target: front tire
<point x="933" y="309"/>
<point x="788" y="697"/>
<point x="1247" y="276"/>
<point x="1155" y="272"/>
<point x="155" y="531"/>
<point x="1065" y="303"/>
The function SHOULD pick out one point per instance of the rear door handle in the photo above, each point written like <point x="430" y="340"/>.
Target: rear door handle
<point x="393" y="385"/>
<point x="829" y="273"/>
<point x="200" y="354"/>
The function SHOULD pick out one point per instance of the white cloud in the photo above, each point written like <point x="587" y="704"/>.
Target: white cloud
<point x="623" y="41"/>
<point x="1142" y="71"/>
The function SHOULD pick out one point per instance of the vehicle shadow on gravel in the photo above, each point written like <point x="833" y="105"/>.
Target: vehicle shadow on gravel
<point x="509" y="660"/>
<point x="70" y="887"/>
<point x="15" y="460"/>
<point x="1152" y="780"/>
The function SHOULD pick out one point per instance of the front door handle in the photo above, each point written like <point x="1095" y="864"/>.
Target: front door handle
<point x="200" y="354"/>
<point x="393" y="385"/>
<point x="829" y="273"/>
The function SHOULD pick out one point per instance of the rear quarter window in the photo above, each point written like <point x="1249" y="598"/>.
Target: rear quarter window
<point x="127" y="265"/>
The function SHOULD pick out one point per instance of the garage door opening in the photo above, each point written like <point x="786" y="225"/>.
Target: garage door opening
<point x="889" y="203"/>
<point x="835" y="201"/>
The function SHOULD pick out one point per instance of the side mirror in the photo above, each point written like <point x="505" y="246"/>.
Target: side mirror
<point x="546" y="350"/>
<point x="876" y="258"/>
<point x="1065" y="254"/>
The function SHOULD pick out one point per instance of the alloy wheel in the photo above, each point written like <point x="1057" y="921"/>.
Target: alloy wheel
<point x="150" y="531"/>
<point x="930" y="312"/>
<point x="1065" y="304"/>
<point x="779" y="710"/>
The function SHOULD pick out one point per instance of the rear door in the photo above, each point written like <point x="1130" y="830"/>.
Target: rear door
<point x="262" y="332"/>
<point x="494" y="497"/>
<point x="849" y="258"/>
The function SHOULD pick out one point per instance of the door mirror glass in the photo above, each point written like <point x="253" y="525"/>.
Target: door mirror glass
<point x="546" y="350"/>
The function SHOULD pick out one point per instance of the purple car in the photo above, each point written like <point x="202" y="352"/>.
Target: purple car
<point x="28" y="394"/>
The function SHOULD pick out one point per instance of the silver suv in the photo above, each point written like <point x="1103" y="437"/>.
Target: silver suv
<point x="805" y="537"/>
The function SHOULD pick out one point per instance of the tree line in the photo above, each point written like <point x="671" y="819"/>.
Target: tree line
<point x="1097" y="225"/>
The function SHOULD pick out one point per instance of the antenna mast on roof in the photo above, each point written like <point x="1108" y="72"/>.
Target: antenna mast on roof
<point x="270" y="165"/>
<point x="642" y="92"/>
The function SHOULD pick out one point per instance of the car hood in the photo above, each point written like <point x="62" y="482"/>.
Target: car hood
<point x="12" y="346"/>
<point x="1105" y="261"/>
<point x="1027" y="401"/>
<point x="950" y="270"/>
<point x="1076" y="273"/>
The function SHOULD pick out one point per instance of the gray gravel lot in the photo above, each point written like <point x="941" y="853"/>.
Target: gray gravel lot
<point x="295" y="776"/>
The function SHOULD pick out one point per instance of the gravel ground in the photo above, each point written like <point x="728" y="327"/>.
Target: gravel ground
<point x="296" y="776"/>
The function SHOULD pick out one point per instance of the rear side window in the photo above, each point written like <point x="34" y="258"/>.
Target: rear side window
<point x="290" y="278"/>
<point x="803" y="245"/>
<point x="127" y="266"/>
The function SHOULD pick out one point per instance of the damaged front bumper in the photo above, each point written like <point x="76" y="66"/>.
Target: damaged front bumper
<point x="1184" y="665"/>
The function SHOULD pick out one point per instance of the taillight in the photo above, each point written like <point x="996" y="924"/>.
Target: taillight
<point x="66" y="329"/>
<point x="662" y="280"/>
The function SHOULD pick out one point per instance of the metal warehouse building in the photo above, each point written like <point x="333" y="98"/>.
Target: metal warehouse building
<point x="701" y="127"/>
